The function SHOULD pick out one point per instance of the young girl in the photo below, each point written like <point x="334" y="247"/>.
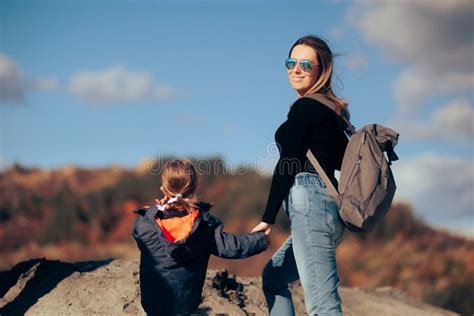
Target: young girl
<point x="176" y="238"/>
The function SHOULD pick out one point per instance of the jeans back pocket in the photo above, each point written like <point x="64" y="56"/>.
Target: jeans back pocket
<point x="299" y="198"/>
<point x="334" y="221"/>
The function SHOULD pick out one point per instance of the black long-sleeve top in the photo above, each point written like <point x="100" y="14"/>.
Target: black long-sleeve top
<point x="310" y="125"/>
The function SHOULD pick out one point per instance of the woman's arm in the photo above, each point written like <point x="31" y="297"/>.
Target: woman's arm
<point x="293" y="147"/>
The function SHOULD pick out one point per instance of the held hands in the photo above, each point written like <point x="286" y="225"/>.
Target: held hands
<point x="264" y="227"/>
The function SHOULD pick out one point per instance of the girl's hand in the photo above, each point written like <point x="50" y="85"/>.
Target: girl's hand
<point x="269" y="241"/>
<point x="263" y="227"/>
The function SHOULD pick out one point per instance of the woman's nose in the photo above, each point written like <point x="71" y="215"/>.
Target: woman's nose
<point x="297" y="68"/>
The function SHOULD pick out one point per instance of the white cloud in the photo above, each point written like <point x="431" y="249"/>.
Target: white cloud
<point x="440" y="187"/>
<point x="413" y="87"/>
<point x="113" y="85"/>
<point x="418" y="31"/>
<point x="12" y="82"/>
<point x="433" y="37"/>
<point x="456" y="119"/>
<point x="116" y="84"/>
<point x="453" y="122"/>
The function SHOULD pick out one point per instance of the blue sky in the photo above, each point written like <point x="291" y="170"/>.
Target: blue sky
<point x="98" y="83"/>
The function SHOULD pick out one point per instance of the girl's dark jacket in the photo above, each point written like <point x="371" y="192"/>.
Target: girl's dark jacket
<point x="172" y="274"/>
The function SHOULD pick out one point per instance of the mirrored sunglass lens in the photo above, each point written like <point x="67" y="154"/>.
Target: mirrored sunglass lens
<point x="306" y="65"/>
<point x="290" y="63"/>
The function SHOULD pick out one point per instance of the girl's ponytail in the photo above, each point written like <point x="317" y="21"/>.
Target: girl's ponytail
<point x="182" y="204"/>
<point x="179" y="182"/>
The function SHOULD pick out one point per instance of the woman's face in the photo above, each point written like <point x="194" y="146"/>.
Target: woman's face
<point x="301" y="80"/>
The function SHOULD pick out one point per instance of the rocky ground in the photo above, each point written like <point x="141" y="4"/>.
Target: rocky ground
<point x="111" y="287"/>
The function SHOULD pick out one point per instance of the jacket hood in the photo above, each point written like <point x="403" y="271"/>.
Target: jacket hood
<point x="182" y="250"/>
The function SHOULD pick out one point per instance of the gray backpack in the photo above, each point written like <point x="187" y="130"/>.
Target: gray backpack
<point x="366" y="183"/>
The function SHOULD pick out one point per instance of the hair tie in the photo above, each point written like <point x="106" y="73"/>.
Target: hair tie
<point x="175" y="199"/>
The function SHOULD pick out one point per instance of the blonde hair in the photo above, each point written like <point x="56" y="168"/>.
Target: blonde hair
<point x="322" y="86"/>
<point x="179" y="176"/>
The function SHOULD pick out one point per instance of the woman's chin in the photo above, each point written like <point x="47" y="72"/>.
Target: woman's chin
<point x="296" y="87"/>
<point x="300" y="91"/>
<point x="299" y="87"/>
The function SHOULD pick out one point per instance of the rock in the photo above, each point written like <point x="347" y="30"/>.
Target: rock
<point x="111" y="287"/>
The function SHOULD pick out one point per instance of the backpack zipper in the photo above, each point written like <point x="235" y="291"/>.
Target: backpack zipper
<point x="353" y="171"/>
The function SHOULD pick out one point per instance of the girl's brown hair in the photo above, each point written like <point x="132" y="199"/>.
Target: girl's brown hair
<point x="180" y="177"/>
<point x="325" y="59"/>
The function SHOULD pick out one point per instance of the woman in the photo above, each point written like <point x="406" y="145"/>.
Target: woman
<point x="309" y="254"/>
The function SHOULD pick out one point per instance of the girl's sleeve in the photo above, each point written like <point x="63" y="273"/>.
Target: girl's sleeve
<point x="230" y="246"/>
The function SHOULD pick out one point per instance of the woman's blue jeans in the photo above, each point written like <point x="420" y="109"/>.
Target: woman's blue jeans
<point x="309" y="254"/>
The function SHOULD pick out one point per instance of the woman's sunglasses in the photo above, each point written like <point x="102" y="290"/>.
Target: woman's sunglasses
<point x="305" y="64"/>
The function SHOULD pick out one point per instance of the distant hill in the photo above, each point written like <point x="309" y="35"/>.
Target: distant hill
<point x="77" y="214"/>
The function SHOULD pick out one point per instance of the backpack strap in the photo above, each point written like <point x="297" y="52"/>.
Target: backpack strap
<point x="350" y="129"/>
<point x="330" y="187"/>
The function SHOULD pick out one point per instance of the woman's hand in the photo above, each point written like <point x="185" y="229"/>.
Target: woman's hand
<point x="266" y="228"/>
<point x="262" y="227"/>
